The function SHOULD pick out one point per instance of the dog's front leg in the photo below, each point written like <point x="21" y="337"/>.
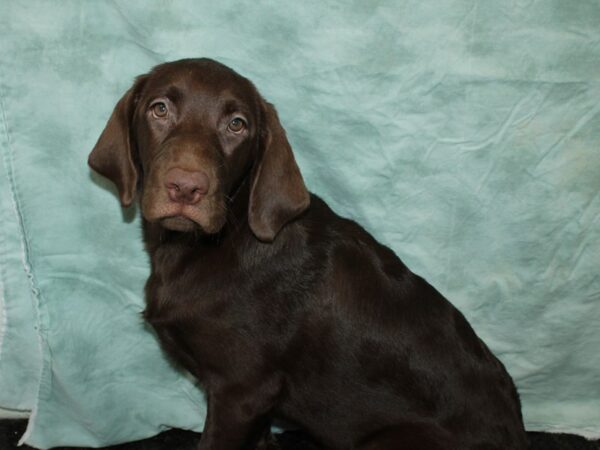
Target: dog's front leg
<point x="237" y="418"/>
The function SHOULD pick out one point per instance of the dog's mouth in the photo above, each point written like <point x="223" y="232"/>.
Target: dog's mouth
<point x="206" y="218"/>
<point x="179" y="223"/>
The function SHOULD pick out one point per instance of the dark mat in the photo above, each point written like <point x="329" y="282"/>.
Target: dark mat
<point x="12" y="430"/>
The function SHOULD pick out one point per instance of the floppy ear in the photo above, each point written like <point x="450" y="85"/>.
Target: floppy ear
<point x="112" y="156"/>
<point x="278" y="193"/>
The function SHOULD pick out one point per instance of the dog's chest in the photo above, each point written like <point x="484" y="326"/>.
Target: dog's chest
<point x="178" y="317"/>
<point x="181" y="290"/>
<point x="190" y="302"/>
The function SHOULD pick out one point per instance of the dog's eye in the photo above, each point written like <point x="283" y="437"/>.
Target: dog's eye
<point x="159" y="110"/>
<point x="236" y="125"/>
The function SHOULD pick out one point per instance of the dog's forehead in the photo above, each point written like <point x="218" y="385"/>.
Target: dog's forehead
<point x="198" y="78"/>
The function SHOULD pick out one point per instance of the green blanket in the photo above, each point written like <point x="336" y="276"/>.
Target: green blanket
<point x="462" y="133"/>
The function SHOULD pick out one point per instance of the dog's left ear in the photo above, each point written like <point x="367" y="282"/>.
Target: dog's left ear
<point x="278" y="194"/>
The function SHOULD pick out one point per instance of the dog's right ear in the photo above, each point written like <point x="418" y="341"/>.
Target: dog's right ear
<point x="112" y="155"/>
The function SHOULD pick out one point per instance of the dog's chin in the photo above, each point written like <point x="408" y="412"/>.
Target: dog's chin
<point x="185" y="224"/>
<point x="205" y="218"/>
<point x="180" y="223"/>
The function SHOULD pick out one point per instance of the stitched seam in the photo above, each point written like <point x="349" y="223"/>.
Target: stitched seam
<point x="2" y="245"/>
<point x="2" y="299"/>
<point x="7" y="153"/>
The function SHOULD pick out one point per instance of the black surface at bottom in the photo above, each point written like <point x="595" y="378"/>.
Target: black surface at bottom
<point x="12" y="430"/>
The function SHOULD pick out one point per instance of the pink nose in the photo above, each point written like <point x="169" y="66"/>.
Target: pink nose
<point x="185" y="186"/>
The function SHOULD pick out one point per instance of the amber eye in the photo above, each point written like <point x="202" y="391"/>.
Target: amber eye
<point x="237" y="125"/>
<point x="159" y="110"/>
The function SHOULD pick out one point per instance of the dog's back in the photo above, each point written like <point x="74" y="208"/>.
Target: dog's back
<point x="380" y="348"/>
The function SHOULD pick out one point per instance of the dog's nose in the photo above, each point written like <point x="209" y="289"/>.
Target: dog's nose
<point x="185" y="186"/>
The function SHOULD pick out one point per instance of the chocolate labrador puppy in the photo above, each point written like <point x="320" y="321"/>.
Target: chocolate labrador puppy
<point x="280" y="307"/>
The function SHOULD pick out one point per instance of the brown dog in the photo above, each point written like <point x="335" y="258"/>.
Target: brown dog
<point x="279" y="307"/>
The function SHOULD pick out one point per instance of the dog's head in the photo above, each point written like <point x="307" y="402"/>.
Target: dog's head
<point x="185" y="136"/>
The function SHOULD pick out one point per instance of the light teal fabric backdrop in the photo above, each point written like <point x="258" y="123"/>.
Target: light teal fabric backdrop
<point x="463" y="133"/>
